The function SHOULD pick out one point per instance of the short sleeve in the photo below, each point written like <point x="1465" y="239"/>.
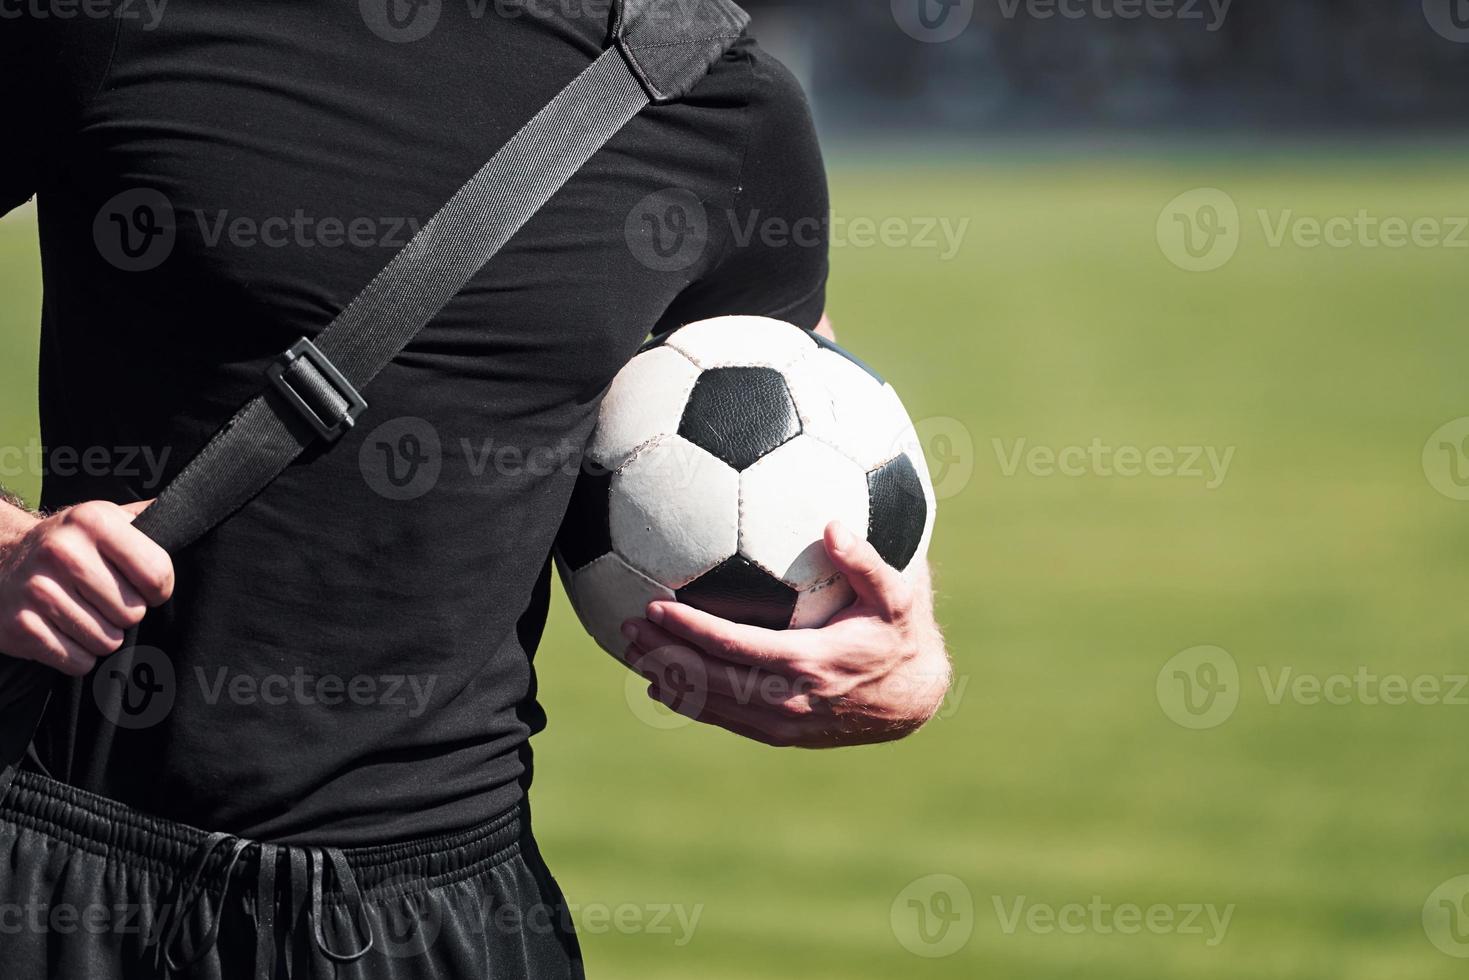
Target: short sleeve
<point x="50" y="67"/>
<point x="20" y="166"/>
<point x="775" y="241"/>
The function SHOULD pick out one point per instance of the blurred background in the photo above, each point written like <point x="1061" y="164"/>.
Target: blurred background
<point x="1176" y="290"/>
<point x="957" y="67"/>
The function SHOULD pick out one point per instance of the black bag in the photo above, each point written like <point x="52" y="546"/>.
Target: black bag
<point x="657" y="52"/>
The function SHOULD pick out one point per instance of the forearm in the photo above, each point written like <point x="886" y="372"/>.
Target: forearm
<point x="15" y="520"/>
<point x="921" y="575"/>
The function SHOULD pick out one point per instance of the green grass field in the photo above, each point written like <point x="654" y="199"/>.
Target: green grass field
<point x="1055" y="775"/>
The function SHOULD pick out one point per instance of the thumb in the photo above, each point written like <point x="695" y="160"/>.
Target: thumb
<point x="876" y="583"/>
<point x="137" y="507"/>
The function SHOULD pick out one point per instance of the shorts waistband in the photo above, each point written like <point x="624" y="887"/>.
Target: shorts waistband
<point x="118" y="832"/>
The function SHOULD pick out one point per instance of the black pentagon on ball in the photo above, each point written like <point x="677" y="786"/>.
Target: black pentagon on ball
<point x="743" y="592"/>
<point x="586" y="532"/>
<point x="897" y="511"/>
<point x="740" y="413"/>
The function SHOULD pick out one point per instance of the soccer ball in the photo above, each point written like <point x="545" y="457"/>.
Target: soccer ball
<point x="721" y="453"/>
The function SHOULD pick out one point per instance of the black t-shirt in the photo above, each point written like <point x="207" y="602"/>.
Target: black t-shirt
<point x="351" y="653"/>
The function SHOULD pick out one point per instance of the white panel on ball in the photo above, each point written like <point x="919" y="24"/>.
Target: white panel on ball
<point x="645" y="401"/>
<point x="606" y="594"/>
<point x="786" y="501"/>
<point x="742" y="341"/>
<point x="814" y="403"/>
<point x="674" y="511"/>
<point x="866" y="419"/>
<point x="817" y="605"/>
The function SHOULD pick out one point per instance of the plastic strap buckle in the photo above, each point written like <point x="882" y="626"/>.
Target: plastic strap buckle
<point x="319" y="392"/>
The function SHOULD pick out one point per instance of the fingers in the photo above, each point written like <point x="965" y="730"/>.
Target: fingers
<point x="815" y="729"/>
<point x="113" y="596"/>
<point x="145" y="565"/>
<point x="760" y="725"/>
<point x="38" y="640"/>
<point x="665" y="660"/>
<point x="74" y="617"/>
<point x="76" y="582"/>
<point x="748" y="701"/>
<point x="72" y="558"/>
<point x="734" y="642"/>
<point x="876" y="583"/>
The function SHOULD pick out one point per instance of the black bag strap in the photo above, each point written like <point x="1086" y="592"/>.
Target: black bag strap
<point x="660" y="49"/>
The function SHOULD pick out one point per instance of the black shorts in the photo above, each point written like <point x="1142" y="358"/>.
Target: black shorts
<point x="93" y="890"/>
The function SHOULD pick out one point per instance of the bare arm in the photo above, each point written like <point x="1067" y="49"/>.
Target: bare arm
<point x="15" y="520"/>
<point x="73" y="582"/>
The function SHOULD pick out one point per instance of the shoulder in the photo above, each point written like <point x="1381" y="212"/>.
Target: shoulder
<point x="750" y="77"/>
<point x="777" y="139"/>
<point x="770" y="225"/>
